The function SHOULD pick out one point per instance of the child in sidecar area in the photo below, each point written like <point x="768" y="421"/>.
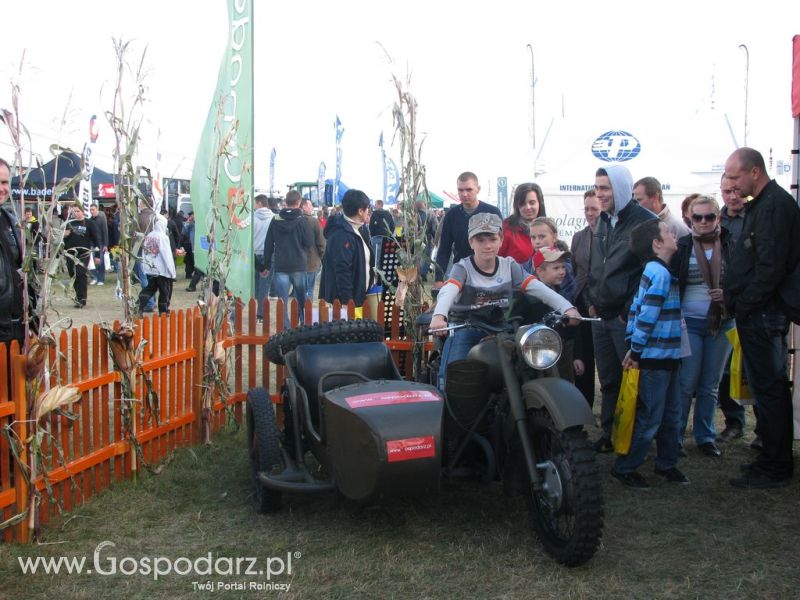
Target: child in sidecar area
<point x="481" y="282"/>
<point x="550" y="266"/>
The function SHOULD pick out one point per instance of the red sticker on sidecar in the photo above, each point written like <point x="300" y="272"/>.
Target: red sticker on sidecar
<point x="397" y="397"/>
<point x="410" y="449"/>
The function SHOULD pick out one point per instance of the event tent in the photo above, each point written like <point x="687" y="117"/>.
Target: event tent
<point x="686" y="154"/>
<point x="40" y="181"/>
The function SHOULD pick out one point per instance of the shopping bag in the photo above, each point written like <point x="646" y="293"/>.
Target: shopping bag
<point x="90" y="265"/>
<point x="106" y="261"/>
<point x="739" y="389"/>
<point x="625" y="413"/>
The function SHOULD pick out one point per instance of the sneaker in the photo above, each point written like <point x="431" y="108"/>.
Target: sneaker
<point x="100" y="283"/>
<point x="672" y="475"/>
<point x="755" y="479"/>
<point x="603" y="446"/>
<point x="191" y="289"/>
<point x="92" y="282"/>
<point x="710" y="449"/>
<point x="756" y="444"/>
<point x="631" y="480"/>
<point x="730" y="433"/>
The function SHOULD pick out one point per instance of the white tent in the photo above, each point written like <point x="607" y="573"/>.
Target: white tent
<point x="686" y="154"/>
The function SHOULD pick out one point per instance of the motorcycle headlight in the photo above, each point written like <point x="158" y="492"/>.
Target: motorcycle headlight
<point x="540" y="346"/>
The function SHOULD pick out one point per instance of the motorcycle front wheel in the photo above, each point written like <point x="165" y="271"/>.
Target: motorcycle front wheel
<point x="567" y="512"/>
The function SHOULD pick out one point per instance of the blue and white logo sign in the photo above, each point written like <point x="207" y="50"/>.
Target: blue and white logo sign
<point x="616" y="146"/>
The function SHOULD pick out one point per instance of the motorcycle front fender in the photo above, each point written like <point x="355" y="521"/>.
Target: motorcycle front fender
<point x="561" y="399"/>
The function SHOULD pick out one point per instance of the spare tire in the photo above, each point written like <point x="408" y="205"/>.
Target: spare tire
<point x="331" y="332"/>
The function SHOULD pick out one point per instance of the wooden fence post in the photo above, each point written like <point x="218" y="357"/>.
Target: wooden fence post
<point x="198" y="368"/>
<point x="17" y="376"/>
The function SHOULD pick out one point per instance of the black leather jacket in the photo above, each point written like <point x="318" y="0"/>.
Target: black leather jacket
<point x="10" y="280"/>
<point x="766" y="251"/>
<point x="614" y="271"/>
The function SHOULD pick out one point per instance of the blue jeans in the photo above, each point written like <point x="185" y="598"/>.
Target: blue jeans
<point x="609" y="350"/>
<point x="658" y="414"/>
<point x="297" y="279"/>
<point x="456" y="347"/>
<point x="99" y="272"/>
<point x="138" y="270"/>
<point x="311" y="279"/>
<point x="763" y="338"/>
<point x="262" y="285"/>
<point x="700" y="376"/>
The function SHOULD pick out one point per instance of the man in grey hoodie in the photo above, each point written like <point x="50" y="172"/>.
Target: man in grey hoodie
<point x="262" y="217"/>
<point x="614" y="274"/>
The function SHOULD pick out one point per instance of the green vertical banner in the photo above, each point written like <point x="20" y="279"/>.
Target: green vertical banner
<point x="222" y="178"/>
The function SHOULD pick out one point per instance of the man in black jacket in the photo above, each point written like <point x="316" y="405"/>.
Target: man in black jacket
<point x="101" y="229"/>
<point x="80" y="238"/>
<point x="381" y="226"/>
<point x="11" y="325"/>
<point x="453" y="238"/>
<point x="614" y="274"/>
<point x="763" y="257"/>
<point x="288" y="239"/>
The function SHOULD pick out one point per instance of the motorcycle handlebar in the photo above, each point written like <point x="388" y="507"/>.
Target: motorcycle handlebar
<point x="552" y="320"/>
<point x="555" y="318"/>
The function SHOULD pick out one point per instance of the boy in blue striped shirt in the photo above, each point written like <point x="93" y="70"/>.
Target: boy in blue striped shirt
<point x="654" y="333"/>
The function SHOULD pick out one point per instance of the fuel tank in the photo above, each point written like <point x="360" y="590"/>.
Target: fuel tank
<point x="488" y="353"/>
<point x="384" y="438"/>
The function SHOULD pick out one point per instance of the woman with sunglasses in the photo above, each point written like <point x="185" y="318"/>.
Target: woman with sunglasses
<point x="700" y="264"/>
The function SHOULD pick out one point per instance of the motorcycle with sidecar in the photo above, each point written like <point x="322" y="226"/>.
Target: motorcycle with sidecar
<point x="506" y="417"/>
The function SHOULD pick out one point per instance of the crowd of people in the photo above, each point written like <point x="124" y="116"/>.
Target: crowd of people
<point x="665" y="290"/>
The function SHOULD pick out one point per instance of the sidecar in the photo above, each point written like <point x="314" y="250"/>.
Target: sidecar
<point x="350" y="422"/>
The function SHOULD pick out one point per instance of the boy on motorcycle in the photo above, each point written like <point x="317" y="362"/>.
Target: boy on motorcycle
<point x="483" y="282"/>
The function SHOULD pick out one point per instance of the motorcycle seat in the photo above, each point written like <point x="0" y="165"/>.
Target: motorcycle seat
<point x="370" y="359"/>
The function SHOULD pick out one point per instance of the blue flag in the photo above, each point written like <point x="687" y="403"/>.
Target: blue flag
<point x="392" y="186"/>
<point x="339" y="134"/>
<point x="321" y="184"/>
<point x="383" y="166"/>
<point x="272" y="172"/>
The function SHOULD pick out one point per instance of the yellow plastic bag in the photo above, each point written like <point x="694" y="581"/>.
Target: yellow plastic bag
<point x="739" y="389"/>
<point x="625" y="413"/>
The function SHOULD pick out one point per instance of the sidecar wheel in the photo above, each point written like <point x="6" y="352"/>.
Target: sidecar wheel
<point x="331" y="332"/>
<point x="567" y="516"/>
<point x="263" y="444"/>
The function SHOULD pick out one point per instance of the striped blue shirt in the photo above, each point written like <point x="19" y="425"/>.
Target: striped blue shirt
<point x="654" y="321"/>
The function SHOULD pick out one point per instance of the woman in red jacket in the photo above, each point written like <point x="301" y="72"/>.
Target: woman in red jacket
<point x="528" y="205"/>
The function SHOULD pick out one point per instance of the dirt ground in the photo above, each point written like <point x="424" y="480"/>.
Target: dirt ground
<point x="103" y="306"/>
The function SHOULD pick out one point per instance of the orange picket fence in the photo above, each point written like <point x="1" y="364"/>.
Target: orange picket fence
<point x="85" y="455"/>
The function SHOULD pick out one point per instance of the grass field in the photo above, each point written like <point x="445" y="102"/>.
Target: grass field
<point x="705" y="540"/>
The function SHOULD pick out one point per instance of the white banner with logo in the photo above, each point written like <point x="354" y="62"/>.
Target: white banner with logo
<point x="87" y="167"/>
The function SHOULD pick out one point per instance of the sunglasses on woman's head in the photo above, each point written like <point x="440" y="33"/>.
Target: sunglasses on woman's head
<point x="710" y="217"/>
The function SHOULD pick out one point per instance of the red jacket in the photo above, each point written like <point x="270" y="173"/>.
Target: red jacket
<point x="516" y="244"/>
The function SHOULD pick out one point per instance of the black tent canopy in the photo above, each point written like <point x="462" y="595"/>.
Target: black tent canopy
<point x="41" y="180"/>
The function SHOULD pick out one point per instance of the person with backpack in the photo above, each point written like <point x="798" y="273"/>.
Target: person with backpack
<point x="764" y="262"/>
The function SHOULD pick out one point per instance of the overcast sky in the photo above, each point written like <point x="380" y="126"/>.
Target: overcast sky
<point x="604" y="65"/>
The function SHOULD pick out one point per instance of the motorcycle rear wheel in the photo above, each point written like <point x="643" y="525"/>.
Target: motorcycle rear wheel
<point x="263" y="444"/>
<point x="567" y="518"/>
